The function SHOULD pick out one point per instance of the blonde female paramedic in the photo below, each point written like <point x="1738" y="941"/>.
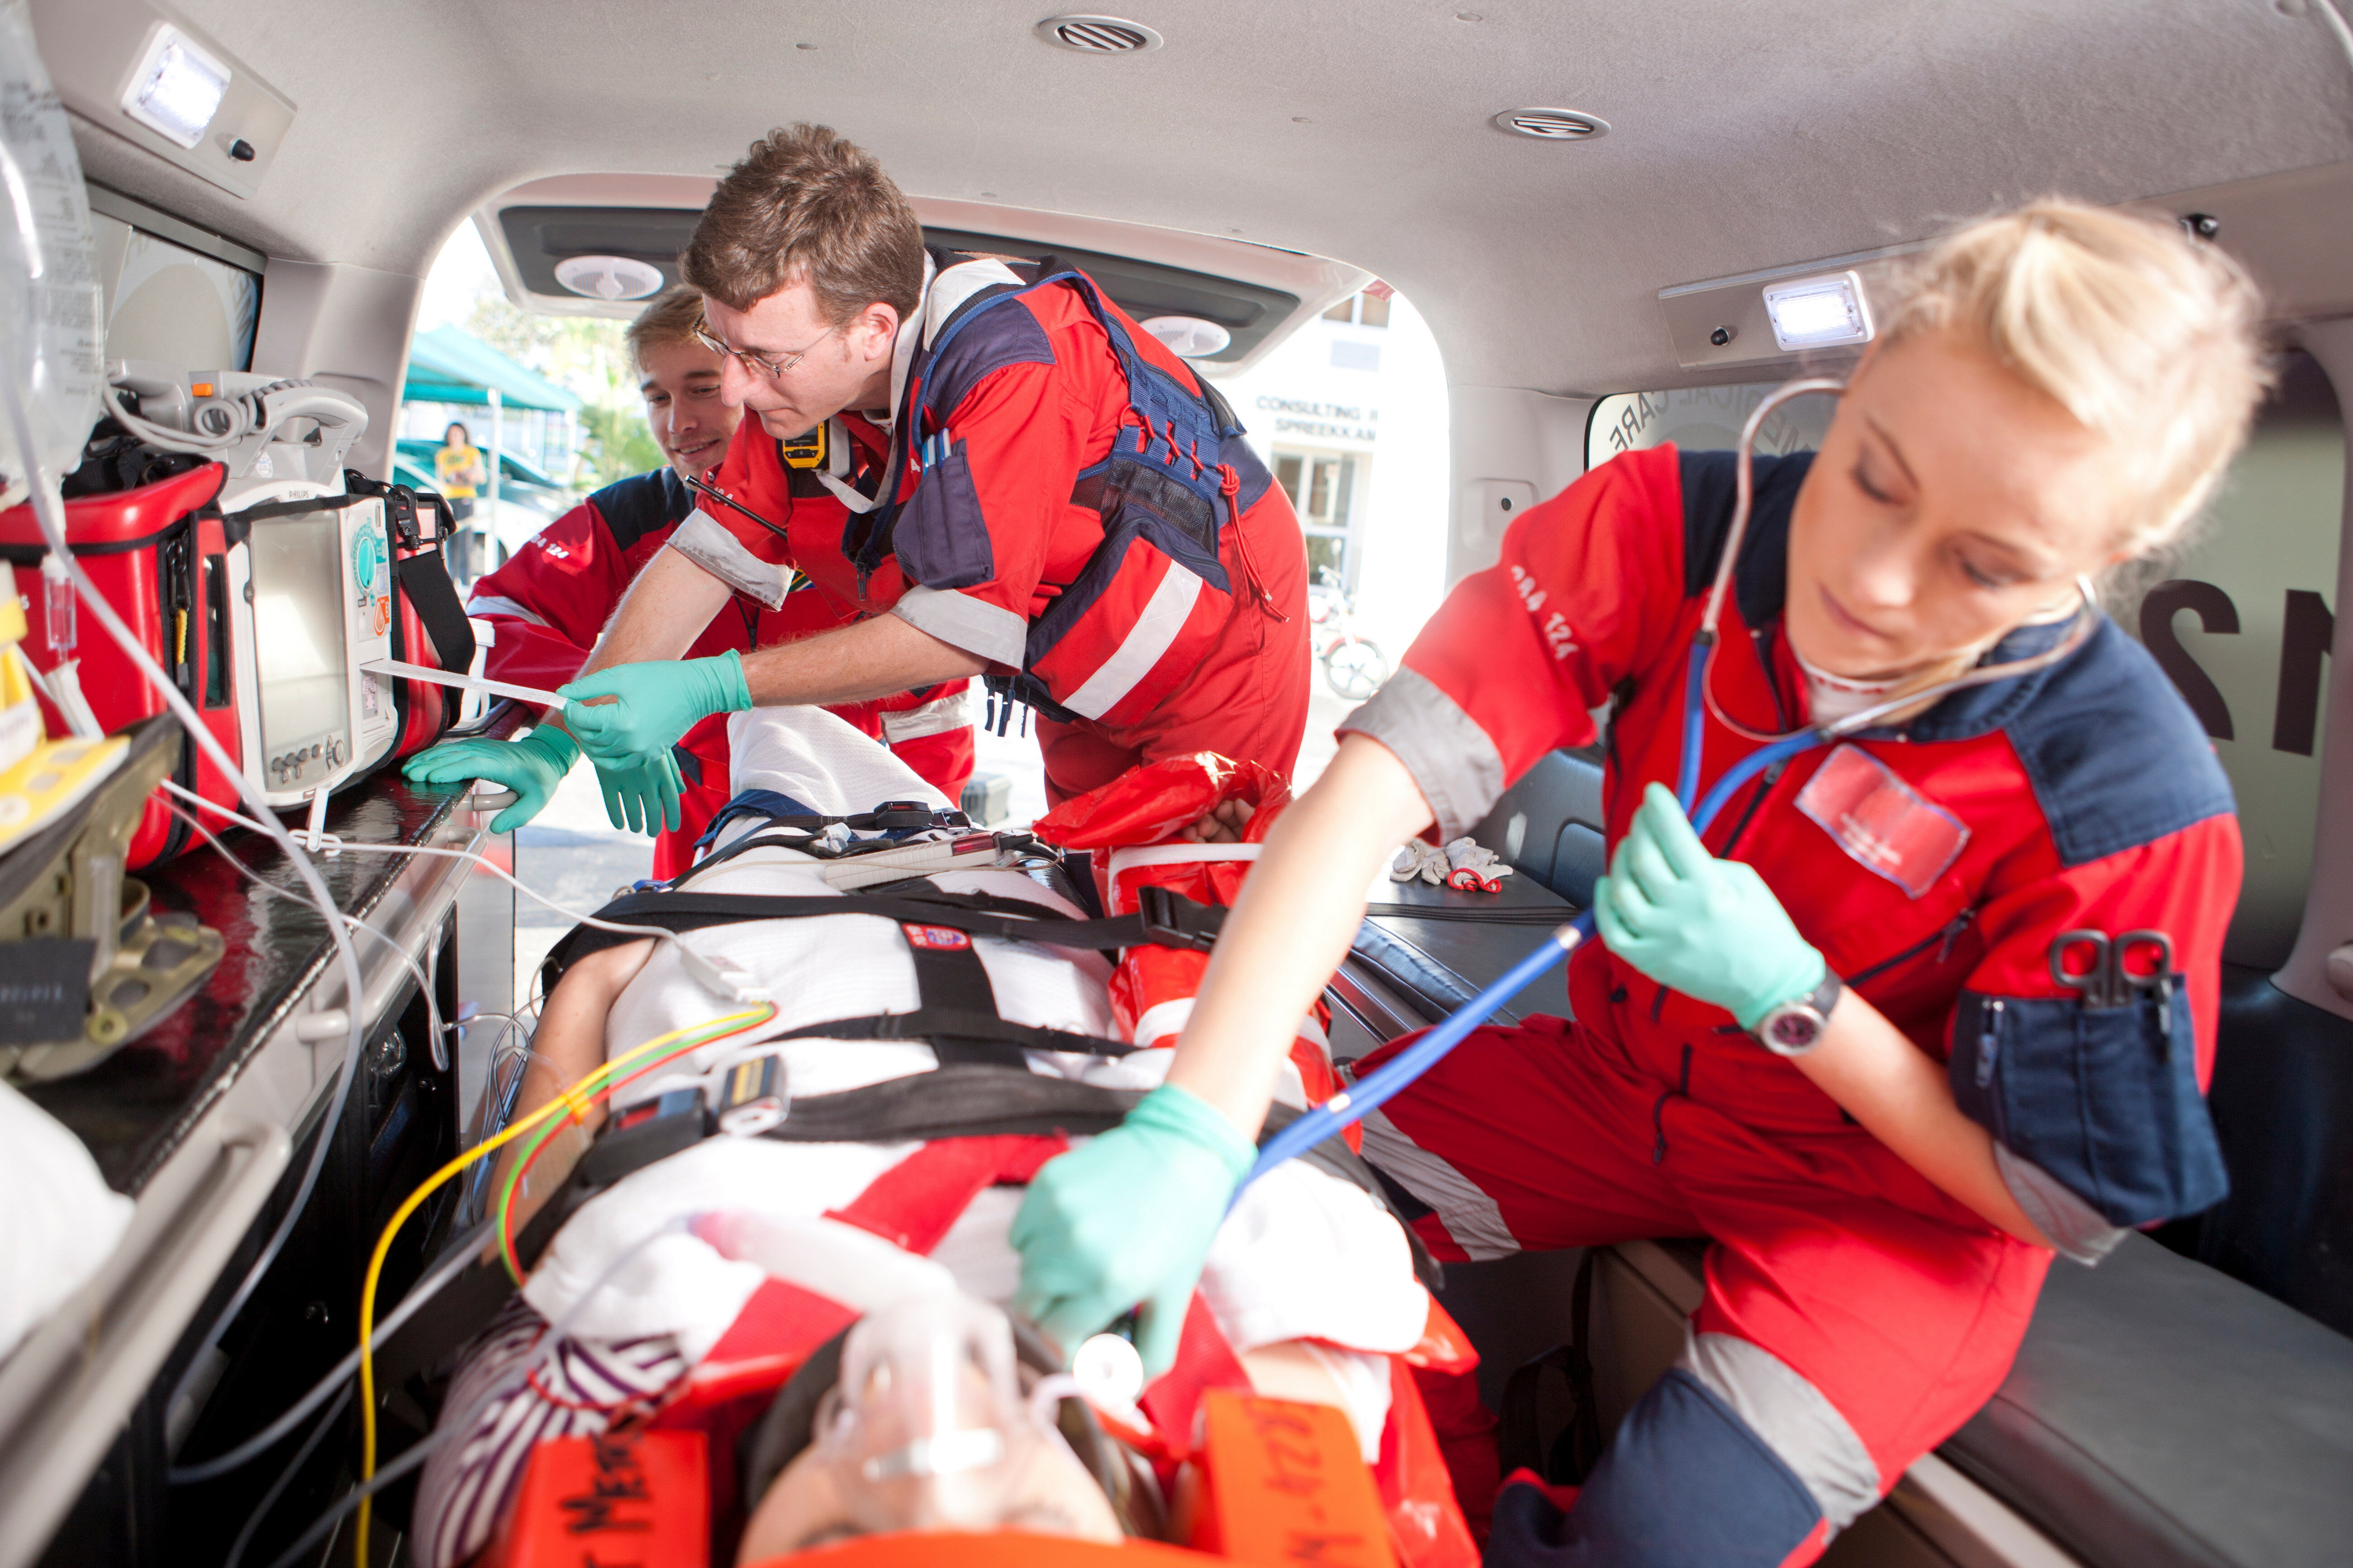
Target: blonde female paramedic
<point x="1833" y="1033"/>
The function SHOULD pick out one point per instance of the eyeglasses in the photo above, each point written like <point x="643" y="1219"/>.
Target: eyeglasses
<point x="755" y="363"/>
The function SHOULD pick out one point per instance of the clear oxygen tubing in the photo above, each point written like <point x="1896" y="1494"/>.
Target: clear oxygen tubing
<point x="1376" y="1086"/>
<point x="48" y="511"/>
<point x="305" y="1549"/>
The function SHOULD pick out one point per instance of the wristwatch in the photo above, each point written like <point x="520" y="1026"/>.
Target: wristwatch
<point x="1796" y="1026"/>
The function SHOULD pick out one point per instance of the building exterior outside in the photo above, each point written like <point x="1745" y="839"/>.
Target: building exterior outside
<point x="1350" y="415"/>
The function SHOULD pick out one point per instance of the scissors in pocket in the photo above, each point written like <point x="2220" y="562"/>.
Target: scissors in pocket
<point x="2110" y="979"/>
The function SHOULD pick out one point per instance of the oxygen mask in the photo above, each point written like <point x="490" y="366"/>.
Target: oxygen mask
<point x="927" y="1428"/>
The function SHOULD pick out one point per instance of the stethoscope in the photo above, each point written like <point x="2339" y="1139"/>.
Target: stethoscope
<point x="1350" y="1104"/>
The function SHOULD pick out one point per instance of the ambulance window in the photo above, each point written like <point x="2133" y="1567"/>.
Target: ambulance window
<point x="2242" y="622"/>
<point x="1322" y="491"/>
<point x="1369" y="309"/>
<point x="1701" y="419"/>
<point x="173" y="292"/>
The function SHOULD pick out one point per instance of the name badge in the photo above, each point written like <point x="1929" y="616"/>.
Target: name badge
<point x="1884" y="823"/>
<point x="936" y="939"/>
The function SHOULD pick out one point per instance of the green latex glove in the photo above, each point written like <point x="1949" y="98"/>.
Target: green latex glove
<point x="643" y="798"/>
<point x="532" y="767"/>
<point x="660" y="701"/>
<point x="1127" y="1219"/>
<point x="1708" y="927"/>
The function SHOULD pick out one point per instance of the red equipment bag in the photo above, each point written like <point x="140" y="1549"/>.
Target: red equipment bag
<point x="159" y="555"/>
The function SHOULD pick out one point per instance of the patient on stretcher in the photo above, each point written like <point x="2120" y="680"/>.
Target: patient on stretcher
<point x="859" y="1213"/>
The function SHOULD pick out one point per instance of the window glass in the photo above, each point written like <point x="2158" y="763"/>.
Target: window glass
<point x="1346" y="311"/>
<point x="1373" y="311"/>
<point x="1701" y="419"/>
<point x="1322" y="491"/>
<point x="2242" y="622"/>
<point x="171" y="304"/>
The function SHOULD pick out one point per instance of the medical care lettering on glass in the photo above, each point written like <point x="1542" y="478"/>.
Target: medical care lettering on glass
<point x="1558" y="634"/>
<point x="1332" y="421"/>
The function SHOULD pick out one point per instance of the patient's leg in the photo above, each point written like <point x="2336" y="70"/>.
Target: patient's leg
<point x="568" y="1044"/>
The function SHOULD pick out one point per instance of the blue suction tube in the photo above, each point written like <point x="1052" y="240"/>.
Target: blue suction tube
<point x="1374" y="1088"/>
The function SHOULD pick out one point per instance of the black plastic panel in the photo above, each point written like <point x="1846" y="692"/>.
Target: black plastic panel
<point x="538" y="238"/>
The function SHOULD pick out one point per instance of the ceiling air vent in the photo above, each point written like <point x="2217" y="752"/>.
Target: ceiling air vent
<point x="1098" y="35"/>
<point x="1552" y="124"/>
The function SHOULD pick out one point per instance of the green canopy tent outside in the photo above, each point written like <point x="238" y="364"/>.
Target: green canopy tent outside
<point x="448" y="366"/>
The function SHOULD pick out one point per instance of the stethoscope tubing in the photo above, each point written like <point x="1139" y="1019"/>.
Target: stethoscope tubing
<point x="1375" y="1088"/>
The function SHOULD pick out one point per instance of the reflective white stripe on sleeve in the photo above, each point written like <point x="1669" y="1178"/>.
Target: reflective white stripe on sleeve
<point x="2074" y="1228"/>
<point x="1155" y="630"/>
<point x="991" y="631"/>
<point x="494" y="605"/>
<point x="704" y="540"/>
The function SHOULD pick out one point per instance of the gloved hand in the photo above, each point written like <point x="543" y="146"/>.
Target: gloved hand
<point x="1127" y="1218"/>
<point x="641" y="798"/>
<point x="1708" y="927"/>
<point x="532" y="767"/>
<point x="660" y="701"/>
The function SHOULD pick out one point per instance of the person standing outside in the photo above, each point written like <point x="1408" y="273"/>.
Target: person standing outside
<point x="457" y="470"/>
<point x="548" y="604"/>
<point x="970" y="515"/>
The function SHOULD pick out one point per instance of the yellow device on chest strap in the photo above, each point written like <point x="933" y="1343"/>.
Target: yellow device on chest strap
<point x="806" y="450"/>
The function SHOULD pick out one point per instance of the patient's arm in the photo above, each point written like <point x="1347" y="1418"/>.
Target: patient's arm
<point x="568" y="1046"/>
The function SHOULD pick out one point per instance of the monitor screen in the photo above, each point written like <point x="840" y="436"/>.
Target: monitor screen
<point x="298" y="623"/>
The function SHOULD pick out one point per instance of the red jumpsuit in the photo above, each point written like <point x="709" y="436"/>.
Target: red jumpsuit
<point x="1855" y="1315"/>
<point x="551" y="602"/>
<point x="988" y="540"/>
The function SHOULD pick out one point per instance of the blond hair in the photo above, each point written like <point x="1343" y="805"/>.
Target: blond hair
<point x="671" y="318"/>
<point x="807" y="204"/>
<point x="2146" y="335"/>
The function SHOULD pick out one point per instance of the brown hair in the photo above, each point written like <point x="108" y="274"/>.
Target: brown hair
<point x="671" y="318"/>
<point x="807" y="204"/>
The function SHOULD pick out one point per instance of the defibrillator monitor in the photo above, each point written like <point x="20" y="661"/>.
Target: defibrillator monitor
<point x="315" y="605"/>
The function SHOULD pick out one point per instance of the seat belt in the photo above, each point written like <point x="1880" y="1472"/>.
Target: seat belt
<point x="1163" y="918"/>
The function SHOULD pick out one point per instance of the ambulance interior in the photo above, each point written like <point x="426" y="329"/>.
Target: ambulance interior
<point x="1587" y="203"/>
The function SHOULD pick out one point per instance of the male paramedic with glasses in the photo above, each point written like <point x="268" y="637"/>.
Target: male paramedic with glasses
<point x="1034" y="488"/>
<point x="548" y="604"/>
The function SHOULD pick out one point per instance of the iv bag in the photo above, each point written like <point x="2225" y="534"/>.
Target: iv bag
<point x="49" y="297"/>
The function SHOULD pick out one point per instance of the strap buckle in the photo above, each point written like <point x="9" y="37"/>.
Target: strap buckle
<point x="1172" y="920"/>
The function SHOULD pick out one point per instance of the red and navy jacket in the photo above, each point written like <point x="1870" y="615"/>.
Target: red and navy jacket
<point x="2083" y="797"/>
<point x="1060" y="496"/>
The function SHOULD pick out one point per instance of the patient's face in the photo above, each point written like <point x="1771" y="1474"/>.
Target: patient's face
<point x="1054" y="1495"/>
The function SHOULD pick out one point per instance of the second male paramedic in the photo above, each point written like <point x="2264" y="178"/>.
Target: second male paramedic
<point x="1150" y="617"/>
<point x="551" y="601"/>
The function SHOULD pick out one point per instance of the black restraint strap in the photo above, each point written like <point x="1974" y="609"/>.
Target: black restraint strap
<point x="1166" y="918"/>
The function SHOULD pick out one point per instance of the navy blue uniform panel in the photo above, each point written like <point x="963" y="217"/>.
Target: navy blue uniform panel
<point x="1684" y="1484"/>
<point x="2105" y="1100"/>
<point x="1760" y="582"/>
<point x="994" y="339"/>
<point x="941" y="538"/>
<point x="642" y="505"/>
<point x="2117" y="757"/>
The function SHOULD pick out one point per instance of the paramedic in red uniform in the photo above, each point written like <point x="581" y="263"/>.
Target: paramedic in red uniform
<point x="2052" y="393"/>
<point x="551" y="601"/>
<point x="1035" y="490"/>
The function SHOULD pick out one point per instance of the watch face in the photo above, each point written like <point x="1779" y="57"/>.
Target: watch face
<point x="1792" y="1030"/>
